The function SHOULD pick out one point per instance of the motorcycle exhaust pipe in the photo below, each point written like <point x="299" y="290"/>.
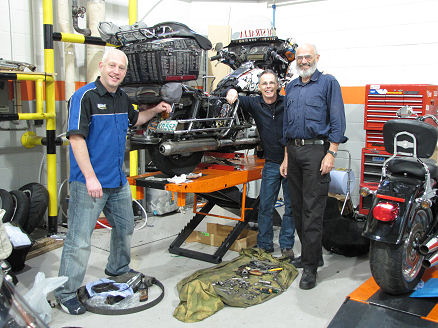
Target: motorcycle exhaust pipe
<point x="431" y="260"/>
<point x="430" y="246"/>
<point x="189" y="146"/>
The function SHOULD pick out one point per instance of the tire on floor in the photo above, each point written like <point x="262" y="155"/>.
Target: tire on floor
<point x="7" y="204"/>
<point x="39" y="201"/>
<point x="21" y="208"/>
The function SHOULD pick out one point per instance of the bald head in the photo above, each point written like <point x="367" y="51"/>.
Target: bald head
<point x="306" y="59"/>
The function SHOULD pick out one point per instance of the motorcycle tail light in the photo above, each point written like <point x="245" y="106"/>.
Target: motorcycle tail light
<point x="385" y="211"/>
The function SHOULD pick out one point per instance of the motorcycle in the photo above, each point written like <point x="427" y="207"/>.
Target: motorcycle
<point x="164" y="56"/>
<point x="402" y="222"/>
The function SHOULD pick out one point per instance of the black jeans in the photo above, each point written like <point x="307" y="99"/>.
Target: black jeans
<point x="308" y="190"/>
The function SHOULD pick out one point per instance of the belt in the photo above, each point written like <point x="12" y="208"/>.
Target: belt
<point x="302" y="142"/>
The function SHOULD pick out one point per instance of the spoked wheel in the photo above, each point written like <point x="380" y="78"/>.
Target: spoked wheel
<point x="175" y="164"/>
<point x="397" y="269"/>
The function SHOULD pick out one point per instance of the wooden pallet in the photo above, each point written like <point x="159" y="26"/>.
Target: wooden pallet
<point x="44" y="245"/>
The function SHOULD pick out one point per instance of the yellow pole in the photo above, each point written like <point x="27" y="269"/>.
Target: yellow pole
<point x="49" y="65"/>
<point x="39" y="96"/>
<point x="133" y="155"/>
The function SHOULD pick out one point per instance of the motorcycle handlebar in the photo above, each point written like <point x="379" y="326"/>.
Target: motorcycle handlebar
<point x="278" y="57"/>
<point x="215" y="57"/>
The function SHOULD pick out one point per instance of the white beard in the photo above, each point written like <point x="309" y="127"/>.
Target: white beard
<point x="308" y="72"/>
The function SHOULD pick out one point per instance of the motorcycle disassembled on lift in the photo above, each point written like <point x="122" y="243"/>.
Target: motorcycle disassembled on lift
<point x="163" y="56"/>
<point x="402" y="222"/>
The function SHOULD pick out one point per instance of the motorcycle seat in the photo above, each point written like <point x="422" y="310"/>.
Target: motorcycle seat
<point x="410" y="166"/>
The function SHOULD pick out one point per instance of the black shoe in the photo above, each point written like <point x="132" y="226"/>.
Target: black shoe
<point x="73" y="306"/>
<point x="116" y="275"/>
<point x="308" y="278"/>
<point x="297" y="262"/>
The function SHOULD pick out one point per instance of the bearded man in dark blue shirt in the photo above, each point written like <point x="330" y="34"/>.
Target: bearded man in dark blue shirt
<point x="267" y="111"/>
<point x="313" y="126"/>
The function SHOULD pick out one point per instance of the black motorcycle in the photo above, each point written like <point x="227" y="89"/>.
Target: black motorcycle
<point x="164" y="56"/>
<point x="402" y="222"/>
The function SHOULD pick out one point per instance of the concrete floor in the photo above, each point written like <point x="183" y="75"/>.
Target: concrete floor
<point x="294" y="308"/>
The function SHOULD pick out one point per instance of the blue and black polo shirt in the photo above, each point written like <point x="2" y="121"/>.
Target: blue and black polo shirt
<point x="102" y="118"/>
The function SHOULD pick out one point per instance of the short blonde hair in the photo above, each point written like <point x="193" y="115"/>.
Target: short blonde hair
<point x="112" y="50"/>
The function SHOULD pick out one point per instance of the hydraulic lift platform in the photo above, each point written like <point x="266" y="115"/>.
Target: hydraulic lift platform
<point x="368" y="307"/>
<point x="217" y="186"/>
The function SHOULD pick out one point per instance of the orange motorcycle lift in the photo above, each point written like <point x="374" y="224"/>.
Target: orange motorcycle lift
<point x="217" y="186"/>
<point x="369" y="306"/>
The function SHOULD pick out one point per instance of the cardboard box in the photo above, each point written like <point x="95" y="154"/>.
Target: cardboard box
<point x="216" y="234"/>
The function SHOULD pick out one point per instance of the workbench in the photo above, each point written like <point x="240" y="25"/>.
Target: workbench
<point x="217" y="186"/>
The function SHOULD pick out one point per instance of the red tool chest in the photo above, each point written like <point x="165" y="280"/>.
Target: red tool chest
<point x="381" y="104"/>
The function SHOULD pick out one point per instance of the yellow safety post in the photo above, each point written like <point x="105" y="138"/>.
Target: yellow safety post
<point x="133" y="155"/>
<point x="49" y="65"/>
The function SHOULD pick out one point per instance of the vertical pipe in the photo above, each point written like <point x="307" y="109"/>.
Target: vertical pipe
<point x="133" y="155"/>
<point x="49" y="66"/>
<point x="95" y="14"/>
<point x="39" y="97"/>
<point x="273" y="15"/>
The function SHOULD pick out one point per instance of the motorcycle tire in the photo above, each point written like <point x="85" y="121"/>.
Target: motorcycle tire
<point x="6" y="203"/>
<point x="39" y="201"/>
<point x="397" y="269"/>
<point x="21" y="208"/>
<point x="175" y="164"/>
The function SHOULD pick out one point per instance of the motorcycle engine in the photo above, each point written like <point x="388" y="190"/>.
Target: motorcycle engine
<point x="249" y="82"/>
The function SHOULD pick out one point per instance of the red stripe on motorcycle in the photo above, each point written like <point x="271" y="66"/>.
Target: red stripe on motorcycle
<point x="396" y="199"/>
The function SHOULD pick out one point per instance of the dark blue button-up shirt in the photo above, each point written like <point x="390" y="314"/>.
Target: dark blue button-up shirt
<point x="314" y="109"/>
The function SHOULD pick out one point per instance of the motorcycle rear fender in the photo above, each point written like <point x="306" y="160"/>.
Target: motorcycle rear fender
<point x="393" y="232"/>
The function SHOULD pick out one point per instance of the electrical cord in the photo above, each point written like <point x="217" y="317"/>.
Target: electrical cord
<point x="141" y="227"/>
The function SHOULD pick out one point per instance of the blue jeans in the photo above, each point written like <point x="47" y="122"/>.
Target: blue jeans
<point x="83" y="213"/>
<point x="270" y="186"/>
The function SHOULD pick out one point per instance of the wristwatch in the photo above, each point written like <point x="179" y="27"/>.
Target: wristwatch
<point x="331" y="152"/>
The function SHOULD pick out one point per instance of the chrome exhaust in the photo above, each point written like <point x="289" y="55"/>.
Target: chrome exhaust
<point x="430" y="246"/>
<point x="431" y="260"/>
<point x="189" y="146"/>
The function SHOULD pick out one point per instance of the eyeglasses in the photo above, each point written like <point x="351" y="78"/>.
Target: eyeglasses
<point x="308" y="57"/>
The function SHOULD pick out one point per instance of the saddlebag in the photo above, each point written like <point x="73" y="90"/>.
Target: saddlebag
<point x="162" y="60"/>
<point x="342" y="234"/>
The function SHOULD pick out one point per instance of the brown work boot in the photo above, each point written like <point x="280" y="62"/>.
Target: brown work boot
<point x="308" y="278"/>
<point x="288" y="252"/>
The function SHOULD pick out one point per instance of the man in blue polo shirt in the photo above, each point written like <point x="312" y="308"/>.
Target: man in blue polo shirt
<point x="314" y="126"/>
<point x="267" y="111"/>
<point x="99" y="116"/>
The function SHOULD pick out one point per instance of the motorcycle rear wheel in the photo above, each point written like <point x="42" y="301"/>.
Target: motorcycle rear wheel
<point x="397" y="269"/>
<point x="175" y="164"/>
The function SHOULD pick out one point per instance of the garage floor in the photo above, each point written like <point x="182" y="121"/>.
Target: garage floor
<point x="294" y="308"/>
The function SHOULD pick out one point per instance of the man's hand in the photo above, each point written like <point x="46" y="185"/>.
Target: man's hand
<point x="162" y="107"/>
<point x="232" y="96"/>
<point x="283" y="168"/>
<point x="327" y="164"/>
<point x="146" y="113"/>
<point x="94" y="187"/>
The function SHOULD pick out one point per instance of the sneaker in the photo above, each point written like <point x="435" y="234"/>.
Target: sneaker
<point x="116" y="275"/>
<point x="287" y="252"/>
<point x="73" y="306"/>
